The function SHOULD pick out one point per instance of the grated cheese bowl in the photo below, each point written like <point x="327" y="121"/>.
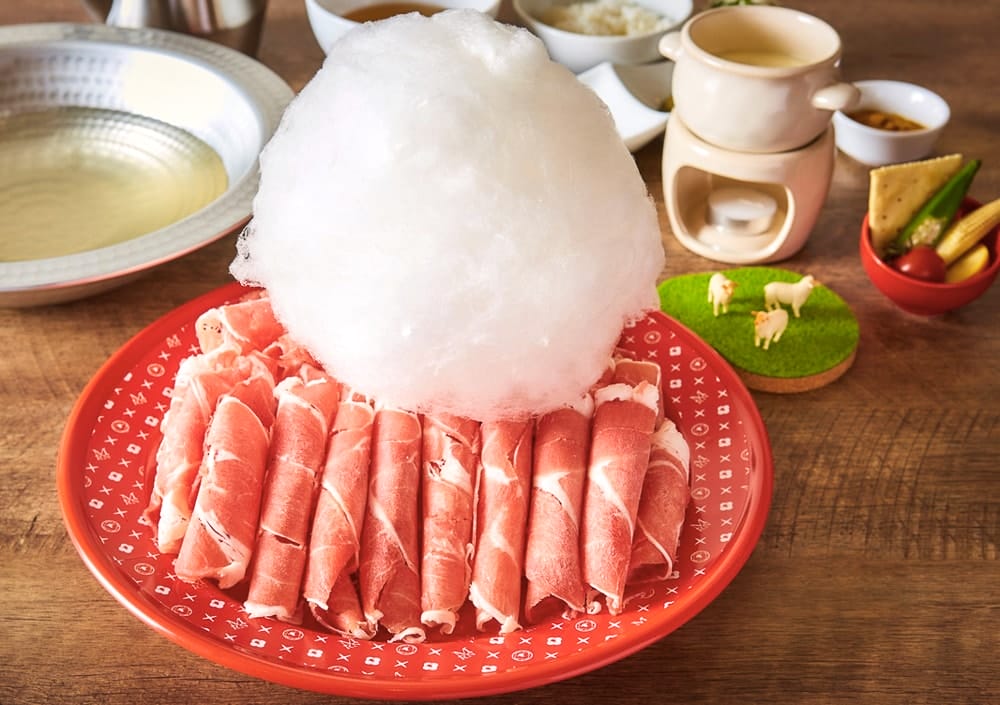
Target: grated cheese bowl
<point x="580" y="52"/>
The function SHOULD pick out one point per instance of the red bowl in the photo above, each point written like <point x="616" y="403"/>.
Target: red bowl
<point x="928" y="298"/>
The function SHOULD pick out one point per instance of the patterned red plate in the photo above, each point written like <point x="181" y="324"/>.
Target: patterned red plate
<point x="103" y="478"/>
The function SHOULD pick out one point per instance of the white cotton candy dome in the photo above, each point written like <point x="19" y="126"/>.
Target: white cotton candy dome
<point x="449" y="221"/>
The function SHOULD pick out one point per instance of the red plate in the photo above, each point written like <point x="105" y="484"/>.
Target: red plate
<point x="103" y="478"/>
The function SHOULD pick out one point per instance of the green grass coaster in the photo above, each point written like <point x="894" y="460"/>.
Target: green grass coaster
<point x="814" y="350"/>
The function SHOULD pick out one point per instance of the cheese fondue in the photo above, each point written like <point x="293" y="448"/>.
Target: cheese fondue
<point x="767" y="58"/>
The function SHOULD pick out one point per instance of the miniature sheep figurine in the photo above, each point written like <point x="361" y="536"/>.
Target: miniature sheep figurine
<point x="768" y="326"/>
<point x="720" y="292"/>
<point x="777" y="293"/>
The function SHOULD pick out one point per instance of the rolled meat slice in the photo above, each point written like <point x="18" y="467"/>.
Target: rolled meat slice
<point x="306" y="405"/>
<point x="221" y="535"/>
<point x="632" y="371"/>
<point x="289" y="356"/>
<point x="448" y="481"/>
<point x="389" y="577"/>
<point x="200" y="382"/>
<point x="343" y="614"/>
<point x="552" y="551"/>
<point x="247" y="325"/>
<point x="624" y="419"/>
<point x="665" y="496"/>
<point x="502" y="513"/>
<point x="340" y="510"/>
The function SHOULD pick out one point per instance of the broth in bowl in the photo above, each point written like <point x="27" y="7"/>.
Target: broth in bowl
<point x="385" y="10"/>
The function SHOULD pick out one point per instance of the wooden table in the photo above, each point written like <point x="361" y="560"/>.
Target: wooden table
<point x="876" y="578"/>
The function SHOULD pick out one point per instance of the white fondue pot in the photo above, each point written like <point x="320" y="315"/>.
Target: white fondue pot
<point x="757" y="78"/>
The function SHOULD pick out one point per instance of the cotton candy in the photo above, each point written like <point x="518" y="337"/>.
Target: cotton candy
<point x="449" y="221"/>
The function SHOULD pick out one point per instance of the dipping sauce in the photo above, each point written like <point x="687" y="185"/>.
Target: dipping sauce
<point x="385" y="10"/>
<point x="77" y="179"/>
<point x="884" y="121"/>
<point x="768" y="59"/>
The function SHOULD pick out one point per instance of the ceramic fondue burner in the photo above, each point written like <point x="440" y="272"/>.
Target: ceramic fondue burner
<point x="749" y="151"/>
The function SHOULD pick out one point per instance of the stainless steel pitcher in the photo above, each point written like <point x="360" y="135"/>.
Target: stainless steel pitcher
<point x="235" y="23"/>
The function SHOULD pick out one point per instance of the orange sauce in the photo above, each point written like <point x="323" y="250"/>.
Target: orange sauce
<point x="385" y="10"/>
<point x="884" y="121"/>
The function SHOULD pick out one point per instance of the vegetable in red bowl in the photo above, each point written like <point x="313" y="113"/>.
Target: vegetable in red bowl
<point x="901" y="282"/>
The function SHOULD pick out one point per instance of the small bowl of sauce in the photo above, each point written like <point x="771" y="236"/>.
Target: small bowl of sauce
<point x="893" y="122"/>
<point x="330" y="19"/>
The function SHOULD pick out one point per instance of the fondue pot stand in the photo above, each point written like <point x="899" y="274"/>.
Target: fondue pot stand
<point x="743" y="208"/>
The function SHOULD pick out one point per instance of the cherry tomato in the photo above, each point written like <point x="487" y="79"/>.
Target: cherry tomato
<point x="921" y="262"/>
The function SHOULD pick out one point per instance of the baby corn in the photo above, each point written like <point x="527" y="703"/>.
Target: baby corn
<point x="964" y="234"/>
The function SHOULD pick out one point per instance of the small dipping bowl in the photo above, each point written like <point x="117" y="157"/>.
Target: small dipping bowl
<point x="328" y="23"/>
<point x="926" y="298"/>
<point x="877" y="146"/>
<point x="580" y="52"/>
<point x="636" y="95"/>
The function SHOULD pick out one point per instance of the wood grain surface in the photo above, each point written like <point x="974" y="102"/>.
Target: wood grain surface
<point x="876" y="579"/>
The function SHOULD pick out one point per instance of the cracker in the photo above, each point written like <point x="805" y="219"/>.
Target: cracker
<point x="897" y="192"/>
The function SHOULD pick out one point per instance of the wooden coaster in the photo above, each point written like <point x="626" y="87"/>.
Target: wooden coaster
<point x="793" y="385"/>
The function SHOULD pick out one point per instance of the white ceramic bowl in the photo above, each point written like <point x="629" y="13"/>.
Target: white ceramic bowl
<point x="326" y="17"/>
<point x="876" y="147"/>
<point x="580" y="52"/>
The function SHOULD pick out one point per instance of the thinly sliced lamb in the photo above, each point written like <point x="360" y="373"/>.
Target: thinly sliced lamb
<point x="448" y="481"/>
<point x="552" y="552"/>
<point x="624" y="419"/>
<point x="221" y="535"/>
<point x="245" y="325"/>
<point x="502" y="513"/>
<point x="665" y="496"/>
<point x="342" y="613"/>
<point x="389" y="576"/>
<point x="306" y="405"/>
<point x="340" y="508"/>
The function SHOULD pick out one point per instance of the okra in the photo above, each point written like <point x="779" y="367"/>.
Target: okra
<point x="931" y="221"/>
